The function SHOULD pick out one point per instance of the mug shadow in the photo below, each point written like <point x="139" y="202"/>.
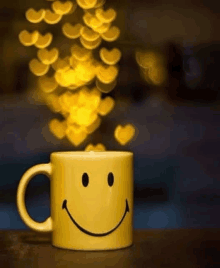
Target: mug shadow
<point x="36" y="239"/>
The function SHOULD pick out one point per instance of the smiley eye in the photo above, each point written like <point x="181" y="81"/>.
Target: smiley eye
<point x="110" y="179"/>
<point x="85" y="179"/>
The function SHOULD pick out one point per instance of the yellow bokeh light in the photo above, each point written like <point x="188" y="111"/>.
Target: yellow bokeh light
<point x="71" y="78"/>
<point x="89" y="98"/>
<point x="68" y="100"/>
<point x="103" y="28"/>
<point x="148" y="59"/>
<point x="89" y="34"/>
<point x="28" y="39"/>
<point x="59" y="79"/>
<point x="86" y="71"/>
<point x="152" y="66"/>
<point x="90" y="3"/>
<point x="86" y="4"/>
<point x="76" y="134"/>
<point x="107" y="74"/>
<point x="84" y="116"/>
<point x="96" y="148"/>
<point x="90" y="44"/>
<point x="58" y="128"/>
<point x="62" y="8"/>
<point x="68" y="88"/>
<point x="72" y="31"/>
<point x="47" y="84"/>
<point x="48" y="56"/>
<point x="80" y="53"/>
<point x="91" y="20"/>
<point x="35" y="16"/>
<point x="105" y="16"/>
<point x="99" y="3"/>
<point x="44" y="41"/>
<point x="106" y="106"/>
<point x="144" y="75"/>
<point x="38" y="68"/>
<point x="112" y="34"/>
<point x="51" y="17"/>
<point x="157" y="75"/>
<point x="73" y="62"/>
<point x="124" y="134"/>
<point x="94" y="126"/>
<point x="61" y="65"/>
<point x="110" y="57"/>
<point x="52" y="100"/>
<point x="106" y="88"/>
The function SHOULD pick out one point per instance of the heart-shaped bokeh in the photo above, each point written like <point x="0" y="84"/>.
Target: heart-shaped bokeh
<point x="124" y="134"/>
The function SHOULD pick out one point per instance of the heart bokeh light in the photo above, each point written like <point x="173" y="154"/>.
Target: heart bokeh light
<point x="73" y="85"/>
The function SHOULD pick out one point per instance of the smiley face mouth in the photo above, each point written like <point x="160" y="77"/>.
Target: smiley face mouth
<point x="64" y="206"/>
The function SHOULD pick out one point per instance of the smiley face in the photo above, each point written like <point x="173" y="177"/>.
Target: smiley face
<point x="109" y="183"/>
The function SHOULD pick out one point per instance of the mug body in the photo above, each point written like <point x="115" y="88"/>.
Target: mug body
<point x="92" y="200"/>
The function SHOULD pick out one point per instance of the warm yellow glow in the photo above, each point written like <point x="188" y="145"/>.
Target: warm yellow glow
<point x="67" y="101"/>
<point x="103" y="28"/>
<point x="38" y="68"/>
<point x="105" y="88"/>
<point x="86" y="71"/>
<point x="72" y="31"/>
<point x="35" y="16"/>
<point x="148" y="59"/>
<point x="88" y="34"/>
<point x="58" y="128"/>
<point x="106" y="106"/>
<point x="51" y="17"/>
<point x="44" y="41"/>
<point x="124" y="134"/>
<point x="112" y="34"/>
<point x="76" y="134"/>
<point x="70" y="78"/>
<point x="90" y="45"/>
<point x="73" y="62"/>
<point x="68" y="88"/>
<point x="47" y="84"/>
<point x="52" y="100"/>
<point x="28" y="39"/>
<point x="84" y="116"/>
<point x="86" y="4"/>
<point x="110" y="57"/>
<point x="96" y="148"/>
<point x="91" y="20"/>
<point x="62" y="8"/>
<point x="74" y="7"/>
<point x="144" y="75"/>
<point x="157" y="75"/>
<point x="61" y="65"/>
<point x="80" y="53"/>
<point x="99" y="3"/>
<point x="90" y="3"/>
<point x="89" y="98"/>
<point x="107" y="74"/>
<point x="152" y="66"/>
<point x="48" y="56"/>
<point x="94" y="126"/>
<point x="105" y="16"/>
<point x="59" y="77"/>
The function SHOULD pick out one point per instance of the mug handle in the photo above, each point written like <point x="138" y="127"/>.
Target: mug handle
<point x="45" y="226"/>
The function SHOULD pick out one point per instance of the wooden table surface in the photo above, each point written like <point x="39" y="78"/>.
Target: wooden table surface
<point x="152" y="248"/>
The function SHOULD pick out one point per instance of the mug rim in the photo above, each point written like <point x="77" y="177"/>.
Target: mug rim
<point x="92" y="153"/>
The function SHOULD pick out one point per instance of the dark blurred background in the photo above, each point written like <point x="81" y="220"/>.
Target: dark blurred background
<point x="177" y="149"/>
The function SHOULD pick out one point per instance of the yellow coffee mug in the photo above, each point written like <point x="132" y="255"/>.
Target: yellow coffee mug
<point x="91" y="199"/>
